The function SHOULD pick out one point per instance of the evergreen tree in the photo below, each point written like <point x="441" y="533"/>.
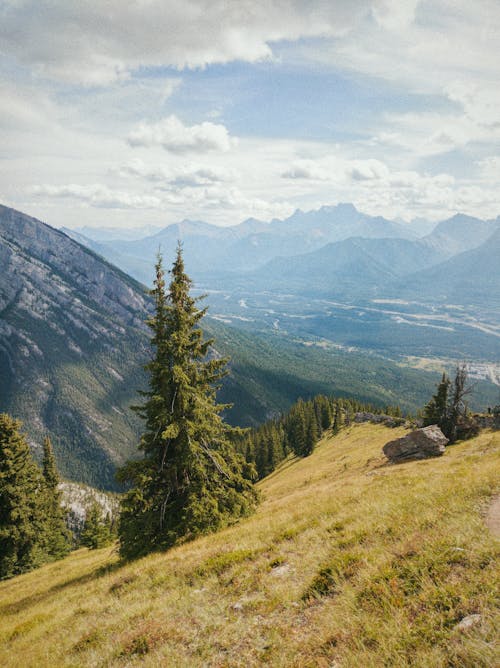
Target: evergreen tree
<point x="296" y="428"/>
<point x="97" y="529"/>
<point x="190" y="480"/>
<point x="325" y="411"/>
<point x="312" y="430"/>
<point x="22" y="530"/>
<point x="460" y="424"/>
<point x="338" y="420"/>
<point x="349" y="410"/>
<point x="448" y="409"/>
<point x="274" y="448"/>
<point x="57" y="535"/>
<point x="436" y="411"/>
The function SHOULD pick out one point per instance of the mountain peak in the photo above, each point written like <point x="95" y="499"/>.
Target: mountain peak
<point x="346" y="207"/>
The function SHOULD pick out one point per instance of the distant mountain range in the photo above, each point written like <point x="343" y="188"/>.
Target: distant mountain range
<point x="458" y="262"/>
<point x="334" y="251"/>
<point x="471" y="277"/>
<point x="248" y="246"/>
<point x="73" y="342"/>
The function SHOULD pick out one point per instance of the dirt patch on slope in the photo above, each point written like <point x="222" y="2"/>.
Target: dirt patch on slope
<point x="493" y="517"/>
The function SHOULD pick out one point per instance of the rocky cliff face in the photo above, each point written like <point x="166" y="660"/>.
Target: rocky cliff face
<point x="43" y="262"/>
<point x="72" y="334"/>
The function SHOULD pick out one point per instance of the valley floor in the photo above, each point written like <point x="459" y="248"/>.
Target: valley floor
<point x="348" y="562"/>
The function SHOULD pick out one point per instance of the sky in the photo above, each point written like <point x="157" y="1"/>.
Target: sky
<point x="152" y="111"/>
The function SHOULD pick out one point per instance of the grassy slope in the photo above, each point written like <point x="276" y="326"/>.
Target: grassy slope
<point x="348" y="562"/>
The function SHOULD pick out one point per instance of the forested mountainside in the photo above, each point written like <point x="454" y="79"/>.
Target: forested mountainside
<point x="72" y="336"/>
<point x="73" y="343"/>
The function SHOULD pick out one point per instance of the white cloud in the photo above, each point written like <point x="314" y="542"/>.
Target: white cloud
<point x="380" y="190"/>
<point x="480" y="104"/>
<point x="336" y="169"/>
<point x="433" y="70"/>
<point x="395" y="14"/>
<point x="425" y="45"/>
<point x="97" y="195"/>
<point x="172" y="135"/>
<point x="308" y="169"/>
<point x="367" y="170"/>
<point x="490" y="168"/>
<point x="420" y="45"/>
<point x="430" y="133"/>
<point x="178" y="176"/>
<point x="96" y="43"/>
<point x="234" y="200"/>
<point x="193" y="199"/>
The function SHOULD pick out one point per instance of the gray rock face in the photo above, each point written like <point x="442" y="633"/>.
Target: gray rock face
<point x="377" y="418"/>
<point x="78" y="498"/>
<point x="419" y="444"/>
<point x="488" y="421"/>
<point x="47" y="269"/>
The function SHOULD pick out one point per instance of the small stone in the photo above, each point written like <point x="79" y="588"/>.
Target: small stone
<point x="468" y="622"/>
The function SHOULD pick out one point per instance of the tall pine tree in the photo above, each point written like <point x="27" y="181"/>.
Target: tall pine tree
<point x="22" y="528"/>
<point x="190" y="480"/>
<point x="57" y="535"/>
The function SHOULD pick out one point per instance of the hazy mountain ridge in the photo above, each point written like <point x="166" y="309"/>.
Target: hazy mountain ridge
<point x="459" y="264"/>
<point x="472" y="276"/>
<point x="460" y="233"/>
<point x="249" y="245"/>
<point x="332" y="251"/>
<point x="349" y="268"/>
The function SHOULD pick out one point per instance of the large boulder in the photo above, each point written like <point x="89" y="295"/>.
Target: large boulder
<point x="419" y="444"/>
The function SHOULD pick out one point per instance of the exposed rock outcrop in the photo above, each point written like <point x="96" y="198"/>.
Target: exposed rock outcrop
<point x="78" y="498"/>
<point x="487" y="421"/>
<point x="418" y="444"/>
<point x="379" y="418"/>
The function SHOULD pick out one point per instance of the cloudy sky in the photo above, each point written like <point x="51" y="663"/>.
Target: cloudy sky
<point x="151" y="111"/>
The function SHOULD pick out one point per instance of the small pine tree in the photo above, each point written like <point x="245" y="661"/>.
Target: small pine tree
<point x="448" y="409"/>
<point x="57" y="535"/>
<point x="436" y="411"/>
<point x="338" y="420"/>
<point x="22" y="529"/>
<point x="274" y="448"/>
<point x="296" y="428"/>
<point x="460" y="423"/>
<point x="325" y="412"/>
<point x="191" y="480"/>
<point x="97" y="528"/>
<point x="349" y="409"/>
<point x="312" y="430"/>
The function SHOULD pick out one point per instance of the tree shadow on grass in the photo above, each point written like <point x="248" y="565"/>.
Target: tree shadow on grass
<point x="33" y="599"/>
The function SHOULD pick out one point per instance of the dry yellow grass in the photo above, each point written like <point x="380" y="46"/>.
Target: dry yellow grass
<point x="348" y="562"/>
